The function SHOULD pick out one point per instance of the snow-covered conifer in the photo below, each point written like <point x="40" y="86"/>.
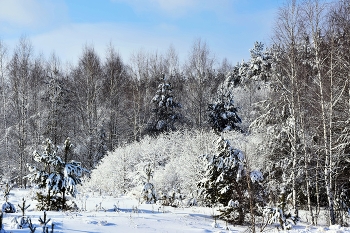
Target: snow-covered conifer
<point x="223" y="113"/>
<point x="164" y="109"/>
<point x="225" y="182"/>
<point x="8" y="207"/>
<point x="148" y="193"/>
<point x="54" y="177"/>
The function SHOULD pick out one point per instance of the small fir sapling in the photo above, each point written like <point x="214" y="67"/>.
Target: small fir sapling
<point x="23" y="220"/>
<point x="58" y="178"/>
<point x="7" y="207"/>
<point x="31" y="227"/>
<point x="23" y="207"/>
<point x="148" y="193"/>
<point x="43" y="222"/>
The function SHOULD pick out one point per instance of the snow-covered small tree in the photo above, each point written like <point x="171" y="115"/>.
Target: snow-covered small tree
<point x="102" y="144"/>
<point x="226" y="180"/>
<point x="55" y="177"/>
<point x="148" y="193"/>
<point x="8" y="207"/>
<point x="164" y="109"/>
<point x="223" y="113"/>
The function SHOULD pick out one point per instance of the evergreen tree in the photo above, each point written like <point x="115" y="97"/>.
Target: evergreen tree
<point x="226" y="182"/>
<point x="148" y="193"/>
<point x="223" y="113"/>
<point x="54" y="176"/>
<point x="164" y="109"/>
<point x="7" y="207"/>
<point x="102" y="144"/>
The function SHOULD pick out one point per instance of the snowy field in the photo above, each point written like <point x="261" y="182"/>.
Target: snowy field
<point x="106" y="214"/>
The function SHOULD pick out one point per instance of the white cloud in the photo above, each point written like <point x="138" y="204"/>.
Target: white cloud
<point x="179" y="8"/>
<point x="171" y="5"/>
<point x="32" y="13"/>
<point x="67" y="41"/>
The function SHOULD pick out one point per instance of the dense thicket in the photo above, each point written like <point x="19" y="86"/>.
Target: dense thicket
<point x="294" y="94"/>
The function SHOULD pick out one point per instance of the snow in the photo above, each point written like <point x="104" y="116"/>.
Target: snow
<point x="106" y="214"/>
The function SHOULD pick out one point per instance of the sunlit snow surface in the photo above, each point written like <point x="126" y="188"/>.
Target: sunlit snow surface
<point x="101" y="217"/>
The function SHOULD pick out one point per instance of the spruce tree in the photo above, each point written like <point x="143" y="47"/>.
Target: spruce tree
<point x="164" y="114"/>
<point x="223" y="113"/>
<point x="148" y="193"/>
<point x="227" y="181"/>
<point x="223" y="183"/>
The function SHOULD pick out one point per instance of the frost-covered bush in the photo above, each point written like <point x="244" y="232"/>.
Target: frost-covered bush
<point x="8" y="207"/>
<point x="174" y="158"/>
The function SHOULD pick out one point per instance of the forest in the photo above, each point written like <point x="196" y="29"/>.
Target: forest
<point x="267" y="135"/>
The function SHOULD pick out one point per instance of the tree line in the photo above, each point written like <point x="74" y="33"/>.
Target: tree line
<point x="100" y="104"/>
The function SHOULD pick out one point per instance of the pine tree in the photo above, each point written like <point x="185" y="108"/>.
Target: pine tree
<point x="164" y="109"/>
<point x="8" y="207"/>
<point x="223" y="113"/>
<point x="101" y="147"/>
<point x="224" y="183"/>
<point x="227" y="181"/>
<point x="55" y="176"/>
<point x="148" y="192"/>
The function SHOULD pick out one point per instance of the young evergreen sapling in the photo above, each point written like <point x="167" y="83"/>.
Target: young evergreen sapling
<point x="8" y="207"/>
<point x="148" y="193"/>
<point x="55" y="176"/>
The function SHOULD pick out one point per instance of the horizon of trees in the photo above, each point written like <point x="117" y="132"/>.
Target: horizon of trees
<point x="99" y="104"/>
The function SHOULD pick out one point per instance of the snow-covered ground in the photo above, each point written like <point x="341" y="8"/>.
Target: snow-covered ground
<point x="108" y="214"/>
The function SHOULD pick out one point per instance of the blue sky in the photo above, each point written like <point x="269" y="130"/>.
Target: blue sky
<point x="229" y="27"/>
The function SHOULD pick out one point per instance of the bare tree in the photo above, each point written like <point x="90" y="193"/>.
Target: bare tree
<point x="115" y="86"/>
<point x="87" y="79"/>
<point x="4" y="87"/>
<point x="19" y="69"/>
<point x="287" y="37"/>
<point x="201" y="82"/>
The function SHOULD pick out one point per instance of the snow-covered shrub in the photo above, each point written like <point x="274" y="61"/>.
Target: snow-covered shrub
<point x="283" y="213"/>
<point x="8" y="207"/>
<point x="174" y="158"/>
<point x="148" y="194"/>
